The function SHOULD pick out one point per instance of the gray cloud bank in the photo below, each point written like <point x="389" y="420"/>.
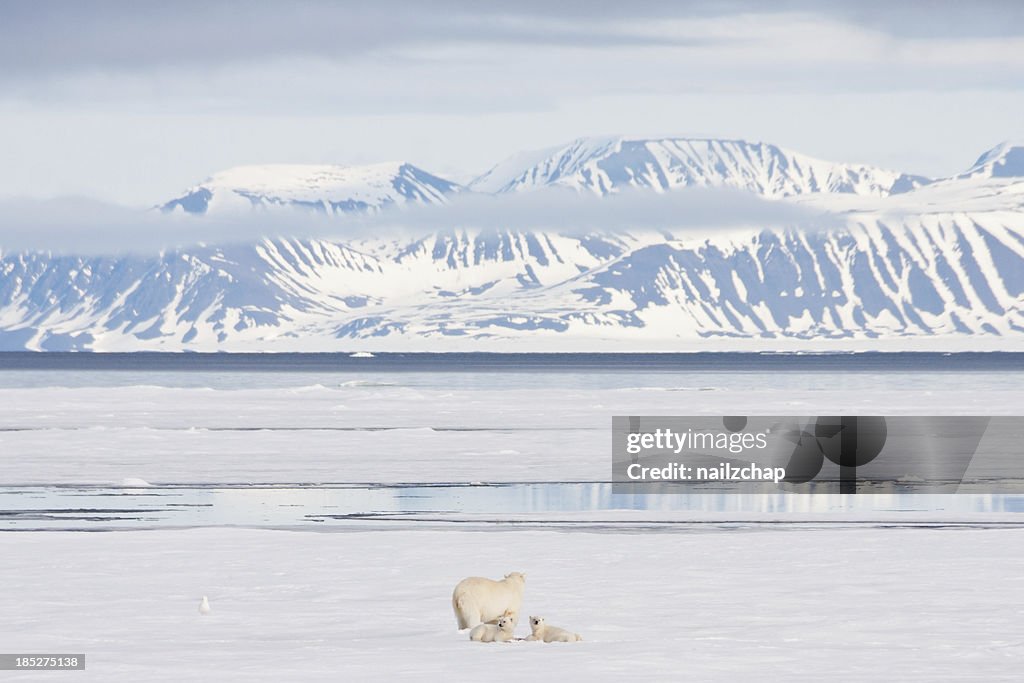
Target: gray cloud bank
<point x="638" y="209"/>
<point x="57" y="36"/>
<point x="86" y="227"/>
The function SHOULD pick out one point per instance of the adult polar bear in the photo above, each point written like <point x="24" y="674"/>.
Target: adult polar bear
<point x="477" y="600"/>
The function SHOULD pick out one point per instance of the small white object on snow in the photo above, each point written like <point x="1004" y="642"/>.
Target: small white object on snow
<point x="204" y="606"/>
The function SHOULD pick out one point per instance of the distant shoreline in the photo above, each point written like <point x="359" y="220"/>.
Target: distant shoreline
<point x="713" y="361"/>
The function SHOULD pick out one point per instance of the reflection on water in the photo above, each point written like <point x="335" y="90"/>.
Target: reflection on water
<point x="543" y="504"/>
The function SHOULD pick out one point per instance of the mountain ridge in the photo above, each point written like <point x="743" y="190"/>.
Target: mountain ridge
<point x="939" y="263"/>
<point x="605" y="165"/>
<point x="326" y="188"/>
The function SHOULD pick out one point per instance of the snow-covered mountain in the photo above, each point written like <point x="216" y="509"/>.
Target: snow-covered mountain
<point x="904" y="261"/>
<point x="330" y="189"/>
<point x="1002" y="161"/>
<point x="607" y="165"/>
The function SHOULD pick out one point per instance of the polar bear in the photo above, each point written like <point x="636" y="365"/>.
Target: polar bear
<point x="477" y="600"/>
<point x="494" y="633"/>
<point x="550" y="634"/>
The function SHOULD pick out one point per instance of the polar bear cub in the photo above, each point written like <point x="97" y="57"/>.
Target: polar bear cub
<point x="494" y="633"/>
<point x="477" y="600"/>
<point x="550" y="634"/>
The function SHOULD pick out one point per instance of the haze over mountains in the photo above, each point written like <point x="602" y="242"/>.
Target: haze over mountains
<point x="903" y="260"/>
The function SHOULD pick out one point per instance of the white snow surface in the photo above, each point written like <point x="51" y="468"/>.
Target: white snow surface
<point x="800" y="605"/>
<point x="308" y="181"/>
<point x="326" y="187"/>
<point x="370" y="601"/>
<point x="367" y="431"/>
<point x="605" y="165"/>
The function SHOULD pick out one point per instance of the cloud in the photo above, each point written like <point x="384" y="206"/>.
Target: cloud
<point x="72" y="226"/>
<point x="401" y="57"/>
<point x="567" y="211"/>
<point x="68" y="36"/>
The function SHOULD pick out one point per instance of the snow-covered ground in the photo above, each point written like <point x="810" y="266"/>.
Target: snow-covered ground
<point x="836" y="604"/>
<point x="705" y="596"/>
<point x="361" y="431"/>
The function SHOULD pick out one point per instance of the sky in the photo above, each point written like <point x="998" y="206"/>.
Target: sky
<point x="132" y="102"/>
